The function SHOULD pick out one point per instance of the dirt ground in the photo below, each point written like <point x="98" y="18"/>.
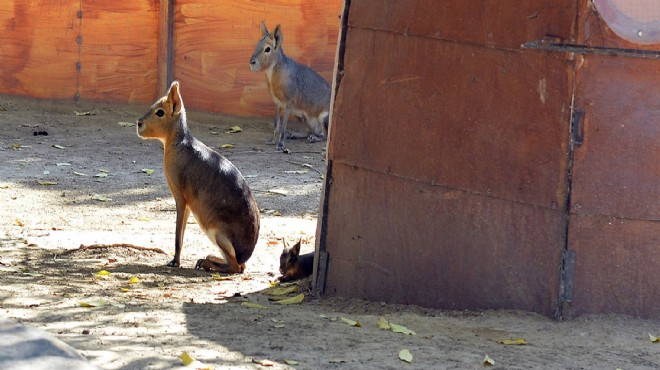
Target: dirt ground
<point x="101" y="194"/>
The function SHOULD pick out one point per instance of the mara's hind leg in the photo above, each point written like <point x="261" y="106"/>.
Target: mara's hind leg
<point x="316" y="131"/>
<point x="227" y="263"/>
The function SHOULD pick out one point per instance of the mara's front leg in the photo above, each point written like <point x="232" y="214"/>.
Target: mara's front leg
<point x="279" y="144"/>
<point x="182" y="213"/>
<point x="276" y="126"/>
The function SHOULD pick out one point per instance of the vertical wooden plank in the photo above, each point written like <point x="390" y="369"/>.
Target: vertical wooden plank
<point x="38" y="48"/>
<point x="165" y="46"/>
<point x="119" y="51"/>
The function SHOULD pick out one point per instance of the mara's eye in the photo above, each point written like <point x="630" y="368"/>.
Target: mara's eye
<point x="160" y="113"/>
<point x="267" y="49"/>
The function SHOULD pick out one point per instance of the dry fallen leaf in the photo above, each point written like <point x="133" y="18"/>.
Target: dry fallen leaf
<point x="19" y="223"/>
<point x="187" y="359"/>
<point x="101" y="198"/>
<point x="218" y="277"/>
<point x="126" y="124"/>
<point x="45" y="182"/>
<point x="79" y="173"/>
<point x="278" y="191"/>
<point x="134" y="280"/>
<point x="350" y="322"/>
<point x="233" y="130"/>
<point x="401" y="329"/>
<point x="488" y="361"/>
<point x="405" y="355"/>
<point x="93" y="302"/>
<point x="148" y="171"/>
<point x="291" y="362"/>
<point x="383" y="324"/>
<point x="57" y="146"/>
<point x="253" y="305"/>
<point x="228" y="146"/>
<point x="101" y="174"/>
<point x="282" y="290"/>
<point x="293" y="300"/>
<point x="83" y="113"/>
<point x="62" y="164"/>
<point x="515" y="342"/>
<point x="103" y="274"/>
<point x="653" y="338"/>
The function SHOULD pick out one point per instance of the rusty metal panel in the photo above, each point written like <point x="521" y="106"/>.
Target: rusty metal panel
<point x="487" y="120"/>
<point x="617" y="168"/>
<point x="400" y="240"/>
<point x="615" y="212"/>
<point x="449" y="155"/>
<point x="493" y="23"/>
<point x="616" y="266"/>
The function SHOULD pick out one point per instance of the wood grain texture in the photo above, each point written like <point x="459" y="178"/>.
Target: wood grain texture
<point x="119" y="50"/>
<point x="38" y="49"/>
<point x="213" y="42"/>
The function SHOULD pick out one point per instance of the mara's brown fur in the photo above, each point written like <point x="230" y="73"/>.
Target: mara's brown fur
<point x="294" y="266"/>
<point x="205" y="183"/>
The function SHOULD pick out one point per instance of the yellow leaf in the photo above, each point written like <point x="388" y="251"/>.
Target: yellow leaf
<point x="103" y="170"/>
<point x="488" y="361"/>
<point x="282" y="291"/>
<point x="101" y="198"/>
<point x="350" y="322"/>
<point x="383" y="324"/>
<point x="103" y="274"/>
<point x="44" y="182"/>
<point x="134" y="280"/>
<point x="19" y="223"/>
<point x="401" y="329"/>
<point x="291" y="362"/>
<point x="125" y="290"/>
<point x="187" y="359"/>
<point x="218" y="277"/>
<point x="93" y="302"/>
<point x="234" y="129"/>
<point x="58" y="146"/>
<point x="228" y="146"/>
<point x="148" y="171"/>
<point x="653" y="338"/>
<point x="515" y="342"/>
<point x="293" y="300"/>
<point x="253" y="305"/>
<point x="405" y="355"/>
<point x="101" y="174"/>
<point x="79" y="173"/>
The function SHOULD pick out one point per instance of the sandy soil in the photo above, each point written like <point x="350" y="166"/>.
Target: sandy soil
<point x="44" y="277"/>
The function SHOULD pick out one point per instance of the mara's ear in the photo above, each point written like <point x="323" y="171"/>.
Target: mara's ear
<point x="174" y="98"/>
<point x="264" y="29"/>
<point x="278" y="37"/>
<point x="286" y="247"/>
<point x="296" y="248"/>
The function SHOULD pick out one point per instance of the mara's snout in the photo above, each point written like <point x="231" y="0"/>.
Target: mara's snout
<point x="140" y="127"/>
<point x="254" y="65"/>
